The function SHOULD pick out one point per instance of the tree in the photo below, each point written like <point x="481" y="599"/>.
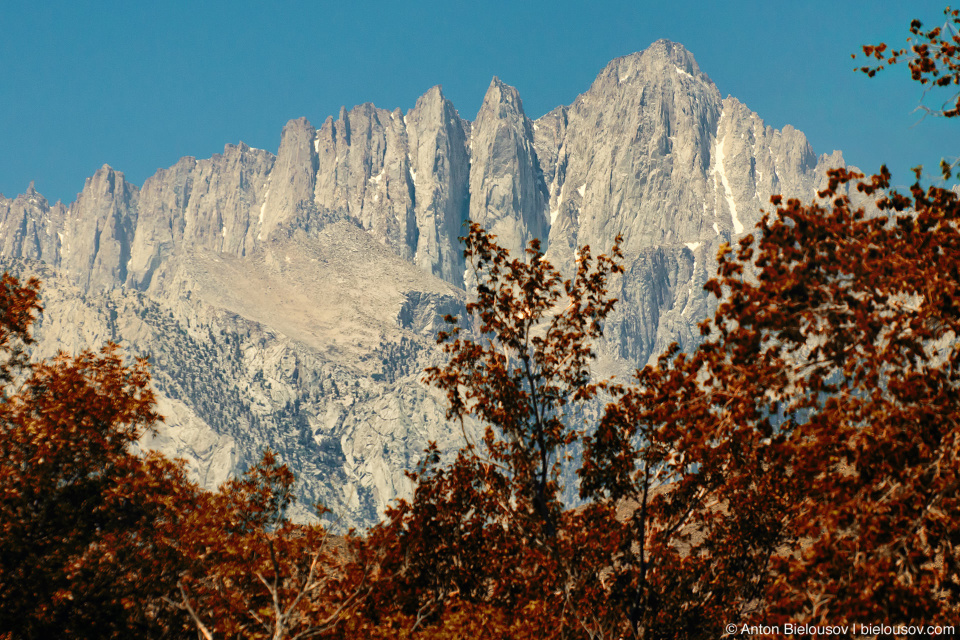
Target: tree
<point x="811" y="441"/>
<point x="82" y="519"/>
<point x="532" y="362"/>
<point x="488" y="532"/>
<point x="99" y="542"/>
<point x="802" y="464"/>
<point x="933" y="59"/>
<point x="809" y="447"/>
<point x="255" y="574"/>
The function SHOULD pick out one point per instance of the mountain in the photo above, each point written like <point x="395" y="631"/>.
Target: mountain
<point x="291" y="301"/>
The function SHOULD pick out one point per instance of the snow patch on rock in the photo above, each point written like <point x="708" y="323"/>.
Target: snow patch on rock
<point x="718" y="170"/>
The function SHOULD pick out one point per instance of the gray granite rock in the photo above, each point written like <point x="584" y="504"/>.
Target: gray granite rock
<point x="291" y="301"/>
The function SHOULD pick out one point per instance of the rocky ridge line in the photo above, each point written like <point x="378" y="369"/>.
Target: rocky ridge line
<point x="291" y="300"/>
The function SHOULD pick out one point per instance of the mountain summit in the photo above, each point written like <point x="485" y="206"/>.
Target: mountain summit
<point x="291" y="301"/>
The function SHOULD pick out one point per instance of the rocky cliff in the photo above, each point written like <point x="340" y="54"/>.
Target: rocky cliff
<point x="291" y="301"/>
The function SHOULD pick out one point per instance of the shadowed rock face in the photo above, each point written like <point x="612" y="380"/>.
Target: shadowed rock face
<point x="30" y="228"/>
<point x="652" y="152"/>
<point x="508" y="195"/>
<point x="291" y="301"/>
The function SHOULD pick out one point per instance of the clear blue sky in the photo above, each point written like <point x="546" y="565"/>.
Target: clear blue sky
<point x="137" y="85"/>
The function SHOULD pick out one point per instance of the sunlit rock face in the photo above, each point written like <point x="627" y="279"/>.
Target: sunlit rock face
<point x="291" y="301"/>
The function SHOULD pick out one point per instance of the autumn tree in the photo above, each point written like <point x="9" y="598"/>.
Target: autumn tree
<point x="933" y="57"/>
<point x="488" y="533"/>
<point x="98" y="541"/>
<point x="82" y="551"/>
<point x="253" y="573"/>
<point x="532" y="362"/>
<point x="800" y="465"/>
<point x="804" y="459"/>
<point x="809" y="447"/>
